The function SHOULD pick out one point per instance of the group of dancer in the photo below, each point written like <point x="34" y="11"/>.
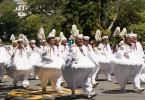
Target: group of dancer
<point x="78" y="65"/>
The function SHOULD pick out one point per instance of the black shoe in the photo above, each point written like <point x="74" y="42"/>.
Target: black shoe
<point x="15" y="86"/>
<point x="44" y="91"/>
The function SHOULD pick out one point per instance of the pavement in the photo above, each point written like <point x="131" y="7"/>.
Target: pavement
<point x="105" y="91"/>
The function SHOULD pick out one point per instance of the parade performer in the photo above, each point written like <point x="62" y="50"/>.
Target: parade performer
<point x="19" y="67"/>
<point x="4" y="57"/>
<point x="49" y="66"/>
<point x="78" y="68"/>
<point x="104" y="56"/>
<point x="34" y="54"/>
<point x="126" y="65"/>
<point x="137" y="47"/>
<point x="93" y="58"/>
<point x="64" y="46"/>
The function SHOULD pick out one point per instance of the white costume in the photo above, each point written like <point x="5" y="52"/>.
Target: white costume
<point x="78" y="69"/>
<point x="64" y="49"/>
<point x="4" y="57"/>
<point x="139" y="52"/>
<point x="34" y="54"/>
<point x="19" y="67"/>
<point x="93" y="57"/>
<point x="49" y="66"/>
<point x="104" y="57"/>
<point x="127" y="67"/>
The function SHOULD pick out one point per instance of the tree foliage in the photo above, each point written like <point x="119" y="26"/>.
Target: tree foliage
<point x="88" y="15"/>
<point x="9" y="21"/>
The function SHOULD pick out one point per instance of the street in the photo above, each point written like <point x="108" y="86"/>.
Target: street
<point x="105" y="91"/>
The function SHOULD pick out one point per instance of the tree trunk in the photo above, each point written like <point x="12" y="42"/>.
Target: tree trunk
<point x="99" y="11"/>
<point x="117" y="11"/>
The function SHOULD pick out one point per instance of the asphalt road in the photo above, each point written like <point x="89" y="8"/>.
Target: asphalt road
<point x="105" y="91"/>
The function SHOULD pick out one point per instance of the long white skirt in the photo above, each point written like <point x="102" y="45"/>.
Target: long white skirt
<point x="19" y="68"/>
<point x="34" y="57"/>
<point x="4" y="57"/>
<point x="79" y="74"/>
<point x="2" y="70"/>
<point x="126" y="69"/>
<point x="44" y="74"/>
<point x="105" y="65"/>
<point x="50" y="69"/>
<point x="45" y="62"/>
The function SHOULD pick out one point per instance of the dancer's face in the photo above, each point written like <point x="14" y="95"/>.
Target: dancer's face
<point x="64" y="42"/>
<point x="57" y="42"/>
<point x="86" y="42"/>
<point x="134" y="40"/>
<point x="105" y="41"/>
<point x="51" y="41"/>
<point x="79" y="41"/>
<point x="129" y="40"/>
<point x="32" y="44"/>
<point x="15" y="44"/>
<point x="20" y="43"/>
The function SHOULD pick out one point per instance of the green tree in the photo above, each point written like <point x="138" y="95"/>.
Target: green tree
<point x="83" y="13"/>
<point x="31" y="25"/>
<point x="50" y="12"/>
<point x="9" y="21"/>
<point x="139" y="28"/>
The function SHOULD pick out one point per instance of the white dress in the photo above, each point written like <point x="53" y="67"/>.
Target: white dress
<point x="94" y="58"/>
<point x="33" y="54"/>
<point x="4" y="57"/>
<point x="19" y="67"/>
<point x="139" y="51"/>
<point x="104" y="57"/>
<point x="127" y="67"/>
<point x="78" y="70"/>
<point x="49" y="66"/>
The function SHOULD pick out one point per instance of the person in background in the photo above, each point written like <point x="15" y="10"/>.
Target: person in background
<point x="104" y="56"/>
<point x="93" y="58"/>
<point x="19" y="67"/>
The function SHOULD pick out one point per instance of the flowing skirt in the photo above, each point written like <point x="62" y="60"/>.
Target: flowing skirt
<point x="79" y="74"/>
<point x="127" y="69"/>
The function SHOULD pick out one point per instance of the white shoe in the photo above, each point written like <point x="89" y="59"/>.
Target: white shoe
<point x="31" y="74"/>
<point x="95" y="84"/>
<point x="60" y="91"/>
<point x="138" y="90"/>
<point x="109" y="80"/>
<point x="36" y="78"/>
<point x="91" y="94"/>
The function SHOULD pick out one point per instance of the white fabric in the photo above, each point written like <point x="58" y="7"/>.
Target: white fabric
<point x="93" y="57"/>
<point x="4" y="57"/>
<point x="52" y="59"/>
<point x="104" y="57"/>
<point x="139" y="51"/>
<point x="55" y="76"/>
<point x="49" y="66"/>
<point x="21" y="75"/>
<point x="19" y="68"/>
<point x="34" y="55"/>
<point x="20" y="61"/>
<point x="78" y="72"/>
<point x="126" y="67"/>
<point x="64" y="50"/>
<point x="2" y="70"/>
